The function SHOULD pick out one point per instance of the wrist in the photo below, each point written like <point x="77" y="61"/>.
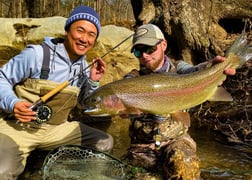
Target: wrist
<point x="93" y="83"/>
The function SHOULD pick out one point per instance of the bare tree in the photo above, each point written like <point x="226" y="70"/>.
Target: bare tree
<point x="110" y="11"/>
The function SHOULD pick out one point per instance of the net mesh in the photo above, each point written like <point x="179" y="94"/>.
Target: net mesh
<point x="77" y="162"/>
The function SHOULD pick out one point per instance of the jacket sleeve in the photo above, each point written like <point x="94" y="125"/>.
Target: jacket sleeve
<point x="16" y="70"/>
<point x="185" y="68"/>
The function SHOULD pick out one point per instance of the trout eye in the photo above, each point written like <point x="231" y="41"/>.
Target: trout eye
<point x="96" y="100"/>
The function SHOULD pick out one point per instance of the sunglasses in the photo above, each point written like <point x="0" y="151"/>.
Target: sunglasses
<point x="138" y="51"/>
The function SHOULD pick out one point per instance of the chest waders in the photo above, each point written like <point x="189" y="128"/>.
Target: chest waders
<point x="59" y="101"/>
<point x="18" y="139"/>
<point x="60" y="104"/>
<point x="161" y="143"/>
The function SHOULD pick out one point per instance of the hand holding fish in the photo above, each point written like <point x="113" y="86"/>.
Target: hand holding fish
<point x="228" y="71"/>
<point x="97" y="70"/>
<point x="156" y="93"/>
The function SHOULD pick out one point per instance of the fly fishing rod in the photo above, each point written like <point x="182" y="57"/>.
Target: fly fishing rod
<point x="44" y="112"/>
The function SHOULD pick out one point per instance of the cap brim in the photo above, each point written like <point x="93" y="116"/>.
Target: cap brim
<point x="145" y="41"/>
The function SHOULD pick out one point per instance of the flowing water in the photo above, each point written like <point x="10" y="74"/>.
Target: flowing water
<point x="218" y="161"/>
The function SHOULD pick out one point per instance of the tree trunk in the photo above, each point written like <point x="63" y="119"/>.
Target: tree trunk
<point x="195" y="30"/>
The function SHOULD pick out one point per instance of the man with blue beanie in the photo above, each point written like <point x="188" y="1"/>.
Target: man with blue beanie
<point x="34" y="72"/>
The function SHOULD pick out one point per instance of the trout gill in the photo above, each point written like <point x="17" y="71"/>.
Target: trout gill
<point x="166" y="93"/>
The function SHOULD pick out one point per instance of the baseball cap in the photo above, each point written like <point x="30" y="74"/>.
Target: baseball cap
<point x="147" y="34"/>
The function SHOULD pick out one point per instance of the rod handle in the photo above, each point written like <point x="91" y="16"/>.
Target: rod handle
<point x="54" y="91"/>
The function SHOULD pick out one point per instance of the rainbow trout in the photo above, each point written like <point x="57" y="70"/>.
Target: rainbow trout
<point x="166" y="93"/>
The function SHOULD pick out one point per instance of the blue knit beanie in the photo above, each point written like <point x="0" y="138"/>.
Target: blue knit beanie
<point x="84" y="13"/>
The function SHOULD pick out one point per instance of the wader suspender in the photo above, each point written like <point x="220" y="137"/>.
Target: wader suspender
<point x="46" y="61"/>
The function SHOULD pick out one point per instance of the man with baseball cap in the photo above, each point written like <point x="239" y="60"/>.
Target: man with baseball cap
<point x="31" y="75"/>
<point x="148" y="34"/>
<point x="158" y="141"/>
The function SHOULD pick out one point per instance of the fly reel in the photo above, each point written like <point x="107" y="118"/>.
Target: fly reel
<point x="44" y="113"/>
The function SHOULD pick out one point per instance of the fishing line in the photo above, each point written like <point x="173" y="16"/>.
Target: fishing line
<point x="153" y="20"/>
<point x="93" y="63"/>
<point x="44" y="112"/>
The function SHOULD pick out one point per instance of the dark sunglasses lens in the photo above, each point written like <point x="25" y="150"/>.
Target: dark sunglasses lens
<point x="137" y="53"/>
<point x="146" y="49"/>
<point x="151" y="49"/>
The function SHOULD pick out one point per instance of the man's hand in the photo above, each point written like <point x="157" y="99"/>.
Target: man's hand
<point x="228" y="71"/>
<point x="23" y="113"/>
<point x="98" y="69"/>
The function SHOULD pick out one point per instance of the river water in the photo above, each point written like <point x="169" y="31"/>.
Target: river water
<point x="218" y="161"/>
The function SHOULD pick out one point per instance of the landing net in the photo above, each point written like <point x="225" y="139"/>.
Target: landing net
<point x="77" y="162"/>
